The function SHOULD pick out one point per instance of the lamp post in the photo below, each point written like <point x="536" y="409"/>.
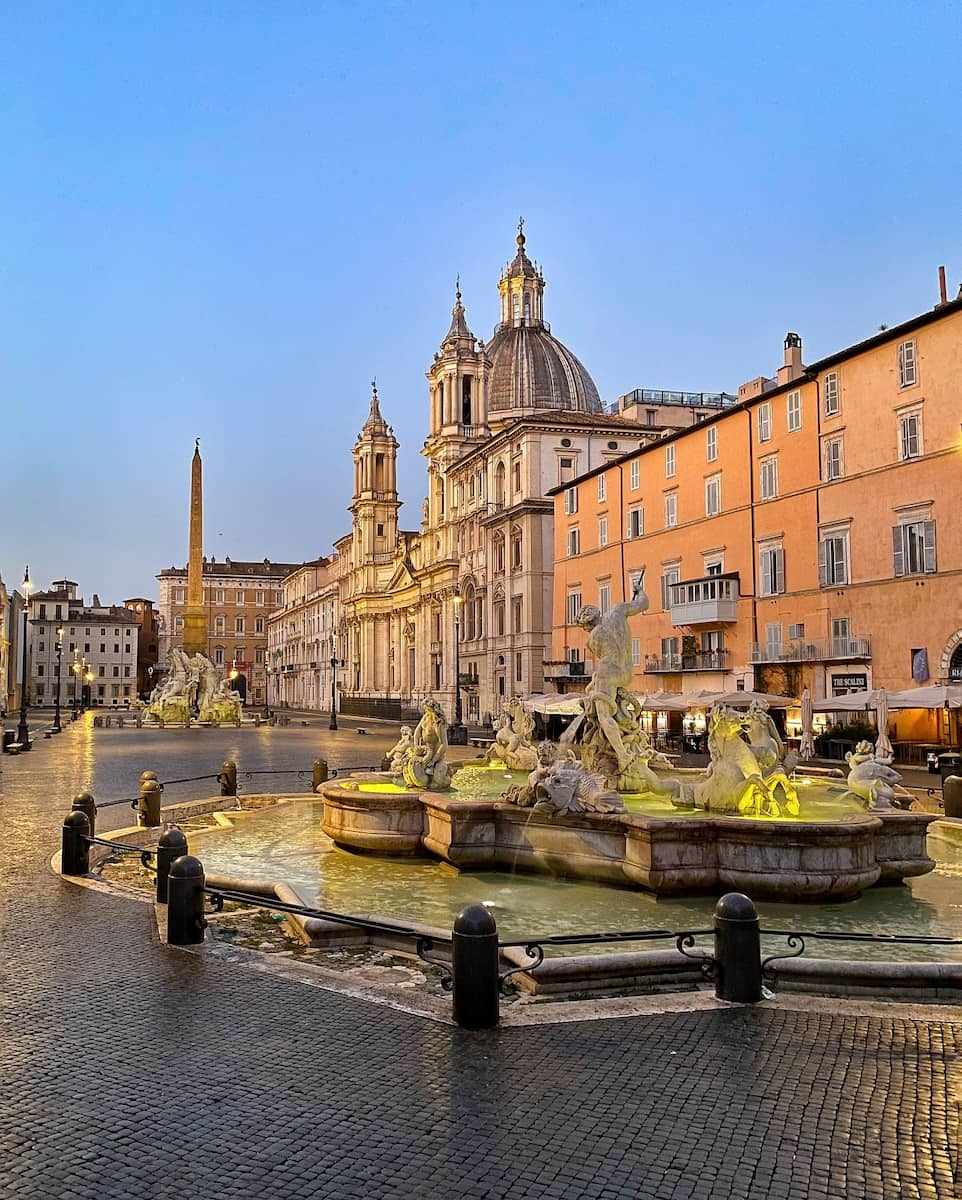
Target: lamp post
<point x="332" y="724"/>
<point x="89" y="678"/>
<point x="457" y="733"/>
<point x="77" y="669"/>
<point x="23" y="729"/>
<point x="56" y="715"/>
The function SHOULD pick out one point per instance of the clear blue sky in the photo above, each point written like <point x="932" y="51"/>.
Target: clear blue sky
<point x="222" y="219"/>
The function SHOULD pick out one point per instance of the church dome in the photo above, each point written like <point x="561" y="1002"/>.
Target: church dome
<point x="531" y="369"/>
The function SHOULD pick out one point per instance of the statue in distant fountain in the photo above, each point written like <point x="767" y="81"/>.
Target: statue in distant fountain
<point x="512" y="743"/>
<point x="560" y="785"/>
<point x="871" y="777"/>
<point x="745" y="777"/>
<point x="423" y="761"/>
<point x="398" y="752"/>
<point x="194" y="689"/>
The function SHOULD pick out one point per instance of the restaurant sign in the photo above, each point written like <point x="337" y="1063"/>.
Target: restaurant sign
<point x="849" y="683"/>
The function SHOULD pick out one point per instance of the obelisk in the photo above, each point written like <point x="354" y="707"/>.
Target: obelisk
<point x="195" y="621"/>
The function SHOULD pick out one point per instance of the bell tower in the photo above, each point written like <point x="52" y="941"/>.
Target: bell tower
<point x="522" y="289"/>
<point x="457" y="380"/>
<point x="375" y="505"/>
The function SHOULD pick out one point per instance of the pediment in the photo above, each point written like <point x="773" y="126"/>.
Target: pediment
<point x="403" y="575"/>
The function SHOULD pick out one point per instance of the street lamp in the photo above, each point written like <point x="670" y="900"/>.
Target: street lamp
<point x="89" y="678"/>
<point x="457" y="733"/>
<point x="332" y="724"/>
<point x="77" y="669"/>
<point x="23" y="729"/>
<point x="56" y="716"/>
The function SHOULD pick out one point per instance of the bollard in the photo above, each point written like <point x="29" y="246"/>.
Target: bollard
<point x="952" y="796"/>
<point x="148" y="806"/>
<point x="474" y="964"/>
<point x="185" y="902"/>
<point x="738" y="960"/>
<point x="85" y="803"/>
<point x="228" y="779"/>
<point x="320" y="773"/>
<point x="171" y="845"/>
<point x="74" y="848"/>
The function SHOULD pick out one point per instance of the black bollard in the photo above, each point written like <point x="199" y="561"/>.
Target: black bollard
<point x="738" y="960"/>
<point x="85" y="803"/>
<point x="185" y="902"/>
<point x="171" y="845"/>
<point x="952" y="796"/>
<point x="228" y="779"/>
<point x="320" y="773"/>
<point x="74" y="847"/>
<point x="474" y="964"/>
<point x="148" y="806"/>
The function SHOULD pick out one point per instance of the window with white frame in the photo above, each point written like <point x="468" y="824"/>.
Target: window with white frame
<point x="711" y="444"/>
<point x="833" y="558"/>
<point x="833" y="458"/>
<point x="634" y="475"/>
<point x="636" y="522"/>
<point x="602" y="487"/>
<point x="636" y="652"/>
<point x="793" y="407"/>
<point x="910" y="435"/>
<point x="602" y="531"/>
<point x="604" y="597"/>
<point x="833" y="399"/>
<point x="671" y="510"/>
<point x="765" y="422"/>
<point x="713" y="496"/>
<point x="769" y="477"/>
<point x="670" y="576"/>
<point x="913" y="548"/>
<point x="670" y="461"/>
<point x="238" y="624"/>
<point x="219" y="596"/>
<point x="908" y="373"/>
<point x="796" y="631"/>
<point x="634" y="581"/>
<point x="771" y="569"/>
<point x="574" y="542"/>
<point x="571" y="501"/>
<point x="572" y="607"/>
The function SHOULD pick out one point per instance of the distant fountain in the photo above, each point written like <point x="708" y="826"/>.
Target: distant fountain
<point x="193" y="690"/>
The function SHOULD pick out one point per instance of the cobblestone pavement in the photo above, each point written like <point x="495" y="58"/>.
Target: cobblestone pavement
<point x="132" y="1070"/>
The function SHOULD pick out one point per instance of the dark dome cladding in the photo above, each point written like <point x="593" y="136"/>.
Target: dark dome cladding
<point x="532" y="369"/>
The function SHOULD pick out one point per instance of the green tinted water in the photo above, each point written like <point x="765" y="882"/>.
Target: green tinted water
<point x="286" y="843"/>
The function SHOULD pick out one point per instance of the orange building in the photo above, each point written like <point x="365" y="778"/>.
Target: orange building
<point x="805" y="537"/>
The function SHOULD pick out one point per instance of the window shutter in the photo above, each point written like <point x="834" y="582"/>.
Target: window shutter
<point x="898" y="551"/>
<point x="823" y="563"/>
<point x="928" y="532"/>
<point x="766" y="566"/>
<point x="779" y="557"/>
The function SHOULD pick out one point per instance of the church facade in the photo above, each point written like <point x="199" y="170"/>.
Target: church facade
<point x="509" y="421"/>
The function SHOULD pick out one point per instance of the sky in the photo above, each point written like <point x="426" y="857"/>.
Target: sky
<point x="223" y="220"/>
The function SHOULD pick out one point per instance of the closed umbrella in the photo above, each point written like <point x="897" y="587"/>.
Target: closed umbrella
<point x="883" y="747"/>
<point x="806" y="747"/>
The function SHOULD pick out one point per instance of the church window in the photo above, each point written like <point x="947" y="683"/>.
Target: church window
<point x="516" y="552"/>
<point x="466" y="400"/>
<point x="517" y="307"/>
<point x="527" y="308"/>
<point x="499" y="618"/>
<point x="517" y="614"/>
<point x="499" y="484"/>
<point x="380" y="530"/>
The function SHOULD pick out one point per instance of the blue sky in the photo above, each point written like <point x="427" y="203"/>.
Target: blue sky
<point x="221" y="220"/>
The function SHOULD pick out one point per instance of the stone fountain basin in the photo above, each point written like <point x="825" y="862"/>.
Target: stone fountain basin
<point x="798" y="859"/>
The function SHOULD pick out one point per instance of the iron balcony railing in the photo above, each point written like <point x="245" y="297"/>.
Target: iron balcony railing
<point x="812" y="650"/>
<point x="564" y="669"/>
<point x="698" y="660"/>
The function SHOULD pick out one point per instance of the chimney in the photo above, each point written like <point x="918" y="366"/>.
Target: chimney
<point x="792" y="367"/>
<point x="943" y="297"/>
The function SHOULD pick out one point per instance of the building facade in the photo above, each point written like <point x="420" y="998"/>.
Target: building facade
<point x="806" y="537"/>
<point x="99" y="649"/>
<point x="301" y="638"/>
<point x="462" y="604"/>
<point x="148" y="640"/>
<point x="238" y="597"/>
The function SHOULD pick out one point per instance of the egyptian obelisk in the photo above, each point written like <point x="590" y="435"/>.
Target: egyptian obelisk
<point x="195" y="622"/>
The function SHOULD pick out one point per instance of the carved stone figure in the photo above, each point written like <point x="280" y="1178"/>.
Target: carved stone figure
<point x="424" y="763"/>
<point x="736" y="781"/>
<point x="560" y="785"/>
<point x="871" y="777"/>
<point x="398" y="752"/>
<point x="194" y="688"/>
<point x="512" y="743"/>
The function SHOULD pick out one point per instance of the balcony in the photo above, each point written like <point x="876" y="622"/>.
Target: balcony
<point x="711" y="600"/>
<point x="564" y="669"/>
<point x="813" y="650"/>
<point x="697" y="660"/>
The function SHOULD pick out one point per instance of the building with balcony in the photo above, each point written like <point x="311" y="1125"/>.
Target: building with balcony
<point x="804" y="536"/>
<point x="301" y="639"/>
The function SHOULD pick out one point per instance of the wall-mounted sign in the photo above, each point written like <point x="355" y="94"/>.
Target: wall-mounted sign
<point x="849" y="683"/>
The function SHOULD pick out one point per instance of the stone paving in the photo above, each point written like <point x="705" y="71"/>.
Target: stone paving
<point x="133" y="1070"/>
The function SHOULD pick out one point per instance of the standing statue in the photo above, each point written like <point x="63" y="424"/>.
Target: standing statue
<point x="424" y="760"/>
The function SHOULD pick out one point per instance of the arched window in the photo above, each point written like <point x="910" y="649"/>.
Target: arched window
<point x="499" y="484"/>
<point x="527" y="307"/>
<point x="955" y="665"/>
<point x="516" y="309"/>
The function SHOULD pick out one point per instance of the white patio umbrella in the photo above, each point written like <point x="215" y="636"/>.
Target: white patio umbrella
<point x="664" y="702"/>
<point x="738" y="699"/>
<point x="806" y="747"/>
<point x="552" y="703"/>
<point x="935" y="696"/>
<point x="851" y="702"/>
<point x="883" y="747"/>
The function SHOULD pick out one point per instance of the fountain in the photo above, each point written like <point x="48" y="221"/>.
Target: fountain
<point x="621" y="814"/>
